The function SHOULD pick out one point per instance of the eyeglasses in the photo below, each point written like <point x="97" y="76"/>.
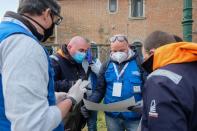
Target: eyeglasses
<point x="120" y="38"/>
<point x="57" y="19"/>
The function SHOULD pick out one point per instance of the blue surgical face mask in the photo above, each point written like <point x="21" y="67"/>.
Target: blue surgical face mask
<point x="79" y="56"/>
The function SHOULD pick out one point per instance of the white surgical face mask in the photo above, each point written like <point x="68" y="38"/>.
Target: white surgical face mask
<point x="119" y="56"/>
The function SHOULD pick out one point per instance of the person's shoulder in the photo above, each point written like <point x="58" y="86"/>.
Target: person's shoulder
<point x="187" y="71"/>
<point x="23" y="42"/>
<point x="25" y="49"/>
<point x="106" y="63"/>
<point x="54" y="57"/>
<point x="183" y="68"/>
<point x="166" y="75"/>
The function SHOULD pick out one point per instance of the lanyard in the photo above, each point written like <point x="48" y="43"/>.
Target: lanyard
<point x="122" y="71"/>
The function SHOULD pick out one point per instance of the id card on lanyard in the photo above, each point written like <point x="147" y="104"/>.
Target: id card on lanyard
<point x="117" y="86"/>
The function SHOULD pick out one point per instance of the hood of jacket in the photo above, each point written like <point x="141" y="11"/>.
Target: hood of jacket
<point x="174" y="53"/>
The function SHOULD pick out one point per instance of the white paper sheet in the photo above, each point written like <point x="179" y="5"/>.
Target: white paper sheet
<point x="120" y="106"/>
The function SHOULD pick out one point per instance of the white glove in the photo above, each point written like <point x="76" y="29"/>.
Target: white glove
<point x="60" y="96"/>
<point x="95" y="67"/>
<point x="77" y="91"/>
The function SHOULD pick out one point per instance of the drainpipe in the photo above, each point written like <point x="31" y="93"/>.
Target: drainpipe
<point x="187" y="20"/>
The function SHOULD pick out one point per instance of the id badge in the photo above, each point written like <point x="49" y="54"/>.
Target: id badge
<point x="117" y="89"/>
<point x="136" y="89"/>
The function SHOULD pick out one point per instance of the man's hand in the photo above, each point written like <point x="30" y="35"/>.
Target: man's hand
<point x="137" y="107"/>
<point x="95" y="67"/>
<point x="60" y="96"/>
<point x="77" y="91"/>
<point x="85" y="112"/>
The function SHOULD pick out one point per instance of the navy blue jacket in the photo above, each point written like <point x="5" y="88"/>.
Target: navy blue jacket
<point x="170" y="99"/>
<point x="67" y="72"/>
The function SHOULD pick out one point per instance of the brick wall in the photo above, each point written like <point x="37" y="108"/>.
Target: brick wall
<point x="195" y="20"/>
<point x="91" y="18"/>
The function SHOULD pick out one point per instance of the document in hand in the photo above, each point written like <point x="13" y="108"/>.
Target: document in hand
<point x="121" y="106"/>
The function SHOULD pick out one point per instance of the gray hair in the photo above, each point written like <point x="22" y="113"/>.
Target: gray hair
<point x="36" y="7"/>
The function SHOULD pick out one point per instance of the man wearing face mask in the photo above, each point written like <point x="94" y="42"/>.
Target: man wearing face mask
<point x="27" y="98"/>
<point x="119" y="79"/>
<point x="67" y="64"/>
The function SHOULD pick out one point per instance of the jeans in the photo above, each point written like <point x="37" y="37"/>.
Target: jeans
<point x="119" y="124"/>
<point x="92" y="121"/>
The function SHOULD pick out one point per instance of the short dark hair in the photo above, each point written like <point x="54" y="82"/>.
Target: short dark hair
<point x="178" y="38"/>
<point x="157" y="39"/>
<point x="36" y="7"/>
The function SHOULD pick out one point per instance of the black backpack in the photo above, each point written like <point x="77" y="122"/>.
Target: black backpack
<point x="73" y="123"/>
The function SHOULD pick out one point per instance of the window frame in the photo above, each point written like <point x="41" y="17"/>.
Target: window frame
<point x="131" y="13"/>
<point x="108" y="7"/>
<point x="94" y="48"/>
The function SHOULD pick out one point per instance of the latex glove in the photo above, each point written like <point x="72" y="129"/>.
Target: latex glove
<point x="77" y="90"/>
<point x="85" y="112"/>
<point x="95" y="67"/>
<point x="60" y="96"/>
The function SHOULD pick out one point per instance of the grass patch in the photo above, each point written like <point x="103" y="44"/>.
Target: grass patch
<point x="101" y="126"/>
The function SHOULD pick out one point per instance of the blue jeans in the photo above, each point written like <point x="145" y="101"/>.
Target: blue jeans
<point x="92" y="121"/>
<point x="118" y="124"/>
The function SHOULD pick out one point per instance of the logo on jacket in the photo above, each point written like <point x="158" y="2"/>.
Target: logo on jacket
<point x="153" y="112"/>
<point x="136" y="73"/>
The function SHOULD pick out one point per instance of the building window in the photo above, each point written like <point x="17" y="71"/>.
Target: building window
<point x="94" y="49"/>
<point x="137" y="8"/>
<point x="113" y="6"/>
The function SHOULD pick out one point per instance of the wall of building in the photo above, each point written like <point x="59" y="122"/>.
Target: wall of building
<point x="195" y="20"/>
<point x="91" y="19"/>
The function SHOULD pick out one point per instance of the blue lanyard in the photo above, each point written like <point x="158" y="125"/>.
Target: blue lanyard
<point x="121" y="72"/>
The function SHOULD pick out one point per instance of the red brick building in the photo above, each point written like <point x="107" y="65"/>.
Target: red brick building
<point x="100" y="19"/>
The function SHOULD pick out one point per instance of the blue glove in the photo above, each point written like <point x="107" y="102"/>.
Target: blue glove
<point x="89" y="56"/>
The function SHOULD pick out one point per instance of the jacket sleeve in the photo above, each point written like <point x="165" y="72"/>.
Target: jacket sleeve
<point x="99" y="92"/>
<point x="25" y="85"/>
<point x="164" y="105"/>
<point x="60" y="85"/>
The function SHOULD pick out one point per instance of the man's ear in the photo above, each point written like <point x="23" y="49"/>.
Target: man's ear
<point x="46" y="14"/>
<point x="69" y="47"/>
<point x="152" y="51"/>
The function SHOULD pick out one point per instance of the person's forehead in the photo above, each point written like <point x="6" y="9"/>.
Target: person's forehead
<point x="119" y="47"/>
<point x="81" y="45"/>
<point x="119" y="44"/>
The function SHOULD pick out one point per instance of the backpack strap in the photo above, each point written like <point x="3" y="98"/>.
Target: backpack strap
<point x="88" y="73"/>
<point x="143" y="73"/>
<point x="54" y="57"/>
<point x="106" y="64"/>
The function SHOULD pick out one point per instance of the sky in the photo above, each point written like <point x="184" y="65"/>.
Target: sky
<point x="6" y="5"/>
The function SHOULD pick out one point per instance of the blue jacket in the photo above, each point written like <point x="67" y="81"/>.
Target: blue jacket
<point x="107" y="77"/>
<point x="7" y="29"/>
